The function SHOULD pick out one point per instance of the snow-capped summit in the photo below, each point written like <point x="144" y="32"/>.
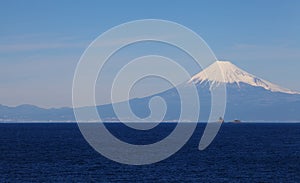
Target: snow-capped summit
<point x="226" y="72"/>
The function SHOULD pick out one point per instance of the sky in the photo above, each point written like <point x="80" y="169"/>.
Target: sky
<point x="41" y="42"/>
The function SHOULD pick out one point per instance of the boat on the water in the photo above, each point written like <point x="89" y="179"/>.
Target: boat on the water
<point x="236" y="121"/>
<point x="221" y="120"/>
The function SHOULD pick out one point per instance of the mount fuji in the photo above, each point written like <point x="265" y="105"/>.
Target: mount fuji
<point x="248" y="98"/>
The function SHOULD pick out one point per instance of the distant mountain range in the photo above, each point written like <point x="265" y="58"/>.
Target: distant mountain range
<point x="249" y="98"/>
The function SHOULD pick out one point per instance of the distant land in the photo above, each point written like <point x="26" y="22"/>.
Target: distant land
<point x="249" y="98"/>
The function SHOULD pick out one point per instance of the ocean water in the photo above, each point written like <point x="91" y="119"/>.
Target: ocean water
<point x="240" y="153"/>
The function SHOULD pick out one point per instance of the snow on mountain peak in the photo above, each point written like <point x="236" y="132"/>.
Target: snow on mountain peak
<point x="226" y="72"/>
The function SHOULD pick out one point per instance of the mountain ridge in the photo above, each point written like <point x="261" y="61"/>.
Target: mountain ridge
<point x="249" y="98"/>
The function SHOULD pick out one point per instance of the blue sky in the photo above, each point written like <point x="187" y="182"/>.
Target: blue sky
<point x="42" y="41"/>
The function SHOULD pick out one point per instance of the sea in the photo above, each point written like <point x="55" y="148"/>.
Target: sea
<point x="241" y="152"/>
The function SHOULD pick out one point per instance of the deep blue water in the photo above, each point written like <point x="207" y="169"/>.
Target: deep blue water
<point x="240" y="153"/>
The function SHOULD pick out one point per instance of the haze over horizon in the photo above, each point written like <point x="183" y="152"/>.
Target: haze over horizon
<point x="40" y="44"/>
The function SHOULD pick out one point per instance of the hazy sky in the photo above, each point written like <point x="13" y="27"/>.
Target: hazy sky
<point x="42" y="41"/>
